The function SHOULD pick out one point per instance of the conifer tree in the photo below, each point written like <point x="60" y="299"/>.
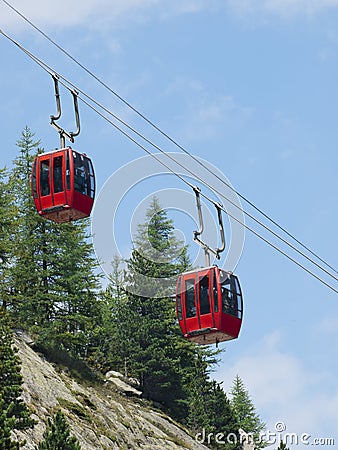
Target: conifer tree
<point x="5" y="219"/>
<point x="108" y="350"/>
<point x="199" y="396"/>
<point x="11" y="379"/>
<point x="57" y="435"/>
<point x="209" y="408"/>
<point x="222" y="416"/>
<point x="146" y="338"/>
<point x="245" y="412"/>
<point x="152" y="352"/>
<point x="7" y="421"/>
<point x="72" y="287"/>
<point x="147" y="342"/>
<point x="28" y="261"/>
<point x="6" y="225"/>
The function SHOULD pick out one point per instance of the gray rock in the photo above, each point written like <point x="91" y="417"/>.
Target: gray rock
<point x="101" y="416"/>
<point x="113" y="374"/>
<point x="121" y="386"/>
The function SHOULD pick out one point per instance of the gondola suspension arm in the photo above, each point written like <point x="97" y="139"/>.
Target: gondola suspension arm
<point x="53" y="118"/>
<point x="207" y="249"/>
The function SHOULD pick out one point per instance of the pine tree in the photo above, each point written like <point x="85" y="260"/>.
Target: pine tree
<point x="11" y="379"/>
<point x="57" y="435"/>
<point x="72" y="287"/>
<point x="6" y="226"/>
<point x="148" y="341"/>
<point x="245" y="412"/>
<point x="145" y="337"/>
<point x="222" y="416"/>
<point x="200" y="392"/>
<point x="210" y="411"/>
<point x="29" y="252"/>
<point x="108" y="350"/>
<point x="156" y="260"/>
<point x="7" y="421"/>
<point x="157" y="257"/>
<point x="5" y="220"/>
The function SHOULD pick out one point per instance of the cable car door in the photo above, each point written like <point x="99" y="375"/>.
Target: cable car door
<point x="188" y="287"/>
<point x="44" y="183"/>
<point x="204" y="300"/>
<point x="59" y="197"/>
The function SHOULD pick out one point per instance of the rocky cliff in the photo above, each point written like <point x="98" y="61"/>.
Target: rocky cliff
<point x="101" y="416"/>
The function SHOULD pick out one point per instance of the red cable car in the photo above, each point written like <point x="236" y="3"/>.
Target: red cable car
<point x="63" y="185"/>
<point x="209" y="305"/>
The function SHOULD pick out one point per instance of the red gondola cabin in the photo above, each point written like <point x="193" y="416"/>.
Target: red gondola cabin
<point x="209" y="305"/>
<point x="63" y="185"/>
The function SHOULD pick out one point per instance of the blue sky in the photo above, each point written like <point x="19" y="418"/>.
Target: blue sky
<point x="250" y="87"/>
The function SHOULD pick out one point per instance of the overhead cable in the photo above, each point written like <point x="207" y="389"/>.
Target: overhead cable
<point x="173" y="141"/>
<point x="70" y="86"/>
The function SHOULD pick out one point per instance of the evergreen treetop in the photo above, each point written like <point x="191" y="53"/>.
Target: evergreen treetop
<point x="57" y="435"/>
<point x="7" y="421"/>
<point x="11" y="379"/>
<point x="247" y="418"/>
<point x="7" y="220"/>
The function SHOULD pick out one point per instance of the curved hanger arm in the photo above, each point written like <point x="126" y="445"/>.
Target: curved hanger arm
<point x="53" y="118"/>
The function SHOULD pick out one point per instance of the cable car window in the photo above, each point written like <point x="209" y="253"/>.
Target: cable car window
<point x="239" y="300"/>
<point x="92" y="187"/>
<point x="67" y="171"/>
<point x="215" y="293"/>
<point x="179" y="301"/>
<point x="57" y="174"/>
<point x="190" y="305"/>
<point x="80" y="179"/>
<point x="44" y="178"/>
<point x="204" y="295"/>
<point x="35" y="192"/>
<point x="91" y="178"/>
<point x="229" y="297"/>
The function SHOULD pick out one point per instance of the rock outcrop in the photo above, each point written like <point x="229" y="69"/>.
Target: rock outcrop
<point x="101" y="416"/>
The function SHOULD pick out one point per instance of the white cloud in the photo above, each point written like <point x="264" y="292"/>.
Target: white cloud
<point x="100" y="14"/>
<point x="328" y="326"/>
<point x="174" y="8"/>
<point x="284" y="389"/>
<point x="283" y="8"/>
<point x="93" y="13"/>
<point x="103" y="14"/>
<point x="208" y="115"/>
<point x="208" y="112"/>
<point x="65" y="13"/>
